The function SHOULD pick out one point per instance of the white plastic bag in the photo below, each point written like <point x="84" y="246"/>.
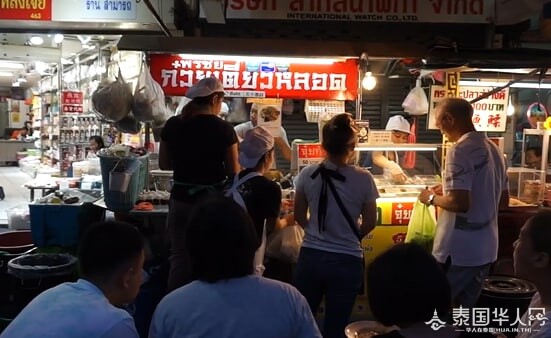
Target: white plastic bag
<point x="416" y="102"/>
<point x="149" y="99"/>
<point x="291" y="240"/>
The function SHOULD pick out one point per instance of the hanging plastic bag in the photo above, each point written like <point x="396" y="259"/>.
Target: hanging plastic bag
<point x="149" y="99"/>
<point x="416" y="102"/>
<point x="113" y="100"/>
<point x="422" y="226"/>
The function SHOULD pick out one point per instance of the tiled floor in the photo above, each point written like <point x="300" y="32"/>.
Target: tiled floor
<point x="12" y="180"/>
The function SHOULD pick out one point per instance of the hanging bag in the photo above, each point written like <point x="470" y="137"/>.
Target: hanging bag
<point x="421" y="226"/>
<point x="233" y="192"/>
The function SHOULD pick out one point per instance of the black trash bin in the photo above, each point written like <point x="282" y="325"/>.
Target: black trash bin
<point x="35" y="273"/>
<point x="506" y="292"/>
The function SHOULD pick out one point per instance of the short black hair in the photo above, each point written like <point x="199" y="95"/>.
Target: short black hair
<point x="99" y="141"/>
<point x="539" y="231"/>
<point x="406" y="285"/>
<point x="536" y="150"/>
<point x="221" y="240"/>
<point x="107" y="246"/>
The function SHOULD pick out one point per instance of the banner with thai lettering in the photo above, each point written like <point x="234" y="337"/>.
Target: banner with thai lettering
<point x="443" y="11"/>
<point x="489" y="114"/>
<point x="40" y="10"/>
<point x="333" y="81"/>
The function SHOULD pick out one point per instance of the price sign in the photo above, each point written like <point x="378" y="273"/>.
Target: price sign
<point x="309" y="153"/>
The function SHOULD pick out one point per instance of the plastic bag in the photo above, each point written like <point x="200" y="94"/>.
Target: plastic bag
<point x="291" y="240"/>
<point x="113" y="100"/>
<point x="422" y="226"/>
<point x="416" y="102"/>
<point x="285" y="243"/>
<point x="149" y="99"/>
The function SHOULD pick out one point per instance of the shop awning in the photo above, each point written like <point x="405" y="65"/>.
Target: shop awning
<point x="269" y="47"/>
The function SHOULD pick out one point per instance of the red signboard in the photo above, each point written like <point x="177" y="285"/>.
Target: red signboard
<point x="68" y="97"/>
<point x="332" y="81"/>
<point x="401" y="213"/>
<point x="26" y="10"/>
<point x="310" y="151"/>
<point x="76" y="109"/>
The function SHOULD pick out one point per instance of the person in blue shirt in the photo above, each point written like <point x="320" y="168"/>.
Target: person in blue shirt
<point x="111" y="257"/>
<point x="226" y="299"/>
<point x="387" y="163"/>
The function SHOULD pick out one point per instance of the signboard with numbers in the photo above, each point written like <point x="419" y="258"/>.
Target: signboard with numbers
<point x="489" y="114"/>
<point x="333" y="81"/>
<point x="40" y="10"/>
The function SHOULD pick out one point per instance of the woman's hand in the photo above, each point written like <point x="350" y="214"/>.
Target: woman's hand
<point x="399" y="178"/>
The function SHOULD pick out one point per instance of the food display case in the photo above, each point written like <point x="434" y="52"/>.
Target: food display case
<point x="530" y="184"/>
<point x="395" y="204"/>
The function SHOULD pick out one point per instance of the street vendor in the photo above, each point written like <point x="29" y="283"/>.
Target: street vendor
<point x="281" y="142"/>
<point x="202" y="150"/>
<point x="387" y="163"/>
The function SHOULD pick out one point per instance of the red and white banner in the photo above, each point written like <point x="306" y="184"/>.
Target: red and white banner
<point x="443" y="11"/>
<point x="333" y="81"/>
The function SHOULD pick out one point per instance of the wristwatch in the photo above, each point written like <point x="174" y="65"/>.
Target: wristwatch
<point x="431" y="199"/>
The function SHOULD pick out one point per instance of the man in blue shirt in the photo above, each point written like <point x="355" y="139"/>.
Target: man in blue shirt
<point x="111" y="257"/>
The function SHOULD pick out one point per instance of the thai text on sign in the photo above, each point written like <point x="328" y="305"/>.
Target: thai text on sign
<point x="449" y="11"/>
<point x="309" y="153"/>
<point x="490" y="114"/>
<point x="337" y="81"/>
<point x="26" y="10"/>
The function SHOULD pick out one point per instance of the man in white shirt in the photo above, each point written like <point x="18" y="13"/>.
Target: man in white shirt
<point x="532" y="261"/>
<point x="111" y="257"/>
<point x="474" y="189"/>
<point x="281" y="142"/>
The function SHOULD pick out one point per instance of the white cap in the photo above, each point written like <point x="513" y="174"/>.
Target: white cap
<point x="205" y="87"/>
<point x="257" y="142"/>
<point x="399" y="123"/>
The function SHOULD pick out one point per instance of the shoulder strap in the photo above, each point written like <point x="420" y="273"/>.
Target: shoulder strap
<point x="234" y="193"/>
<point x="353" y="225"/>
<point x="327" y="176"/>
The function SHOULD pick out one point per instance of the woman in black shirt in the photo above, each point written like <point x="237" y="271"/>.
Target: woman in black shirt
<point x="202" y="150"/>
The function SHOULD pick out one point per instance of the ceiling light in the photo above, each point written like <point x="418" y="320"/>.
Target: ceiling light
<point x="369" y="81"/>
<point x="58" y="38"/>
<point x="36" y="40"/>
<point x="11" y="65"/>
<point x="6" y="74"/>
<point x="510" y="109"/>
